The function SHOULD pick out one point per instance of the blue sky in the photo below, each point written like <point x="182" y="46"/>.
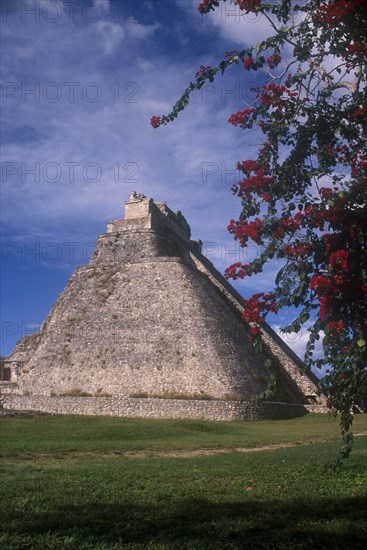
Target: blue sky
<point x="80" y="80"/>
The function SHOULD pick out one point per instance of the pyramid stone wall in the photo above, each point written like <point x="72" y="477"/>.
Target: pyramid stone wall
<point x="149" y="316"/>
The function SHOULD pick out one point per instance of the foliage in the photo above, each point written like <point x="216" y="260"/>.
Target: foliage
<point x="303" y="198"/>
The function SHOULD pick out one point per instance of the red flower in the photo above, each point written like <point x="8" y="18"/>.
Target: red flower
<point x="296" y="251"/>
<point x="156" y="121"/>
<point x="355" y="52"/>
<point x="321" y="284"/>
<point x="336" y="326"/>
<point x="241" y="118"/>
<point x="257" y="305"/>
<point x="325" y="307"/>
<point x="336" y="10"/>
<point x="237" y="270"/>
<point x="255" y="331"/>
<point x="248" y="62"/>
<point x="325" y="192"/>
<point x="327" y="289"/>
<point x="231" y="54"/>
<point x="360" y="112"/>
<point x="274" y="60"/>
<point x="267" y="197"/>
<point x="203" y="69"/>
<point x="286" y="225"/>
<point x="206" y="6"/>
<point x="248" y="5"/>
<point x="244" y="230"/>
<point x="339" y="261"/>
<point x="275" y="95"/>
<point x="247" y="166"/>
<point x="258" y="183"/>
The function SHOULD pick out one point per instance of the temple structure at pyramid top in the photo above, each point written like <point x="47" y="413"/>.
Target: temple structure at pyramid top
<point x="150" y="328"/>
<point x="143" y="212"/>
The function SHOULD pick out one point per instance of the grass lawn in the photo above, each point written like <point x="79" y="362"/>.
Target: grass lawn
<point x="74" y="482"/>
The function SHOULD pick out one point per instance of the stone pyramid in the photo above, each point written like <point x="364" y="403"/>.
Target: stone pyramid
<point x="150" y="317"/>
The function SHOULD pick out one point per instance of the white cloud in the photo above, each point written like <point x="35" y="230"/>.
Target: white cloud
<point x="232" y="24"/>
<point x="135" y="78"/>
<point x="297" y="341"/>
<point x="142" y="32"/>
<point x="112" y="35"/>
<point x="115" y="131"/>
<point x="243" y="29"/>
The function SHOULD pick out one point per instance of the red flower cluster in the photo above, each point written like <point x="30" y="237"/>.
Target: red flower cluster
<point x="267" y="197"/>
<point x="248" y="5"/>
<point x="318" y="215"/>
<point x="156" y="121"/>
<point x="255" y="331"/>
<point x="325" y="306"/>
<point x="339" y="261"/>
<point x="336" y="10"/>
<point x="332" y="215"/>
<point x="203" y="69"/>
<point x="236" y="271"/>
<point x="259" y="182"/>
<point x="325" y="193"/>
<point x="275" y="95"/>
<point x="207" y="5"/>
<point x="240" y="270"/>
<point x="336" y="326"/>
<point x="286" y="225"/>
<point x="329" y="241"/>
<point x="295" y="252"/>
<point x="360" y="112"/>
<point x="248" y="63"/>
<point x="274" y="60"/>
<point x="203" y="5"/>
<point x="247" y="166"/>
<point x="241" y="118"/>
<point x="340" y="153"/>
<point x="325" y="289"/>
<point x="230" y="54"/>
<point x="243" y="230"/>
<point x="321" y="284"/>
<point x="359" y="166"/>
<point x="356" y="51"/>
<point x="257" y="305"/>
<point x="333" y="288"/>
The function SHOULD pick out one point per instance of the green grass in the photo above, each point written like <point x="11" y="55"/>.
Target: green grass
<point x="67" y="484"/>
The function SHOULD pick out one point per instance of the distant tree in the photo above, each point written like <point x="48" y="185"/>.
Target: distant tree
<point x="303" y="196"/>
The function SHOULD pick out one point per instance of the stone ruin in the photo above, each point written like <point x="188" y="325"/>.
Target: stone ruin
<point x="150" y="328"/>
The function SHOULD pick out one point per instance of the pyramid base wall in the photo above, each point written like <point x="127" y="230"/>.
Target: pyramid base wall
<point x="154" y="408"/>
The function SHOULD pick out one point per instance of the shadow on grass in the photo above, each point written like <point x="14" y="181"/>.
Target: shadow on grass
<point x="196" y="524"/>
